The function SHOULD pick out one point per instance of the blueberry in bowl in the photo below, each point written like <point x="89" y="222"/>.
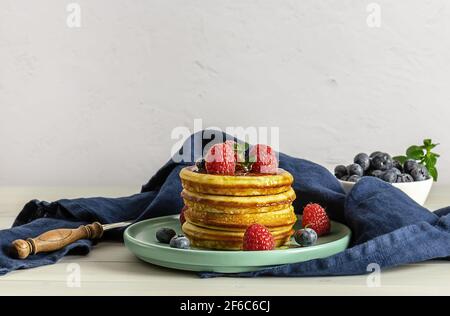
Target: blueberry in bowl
<point x="381" y="161"/>
<point x="340" y="171"/>
<point x="411" y="177"/>
<point x="390" y="175"/>
<point x="355" y="170"/>
<point x="419" y="173"/>
<point x="363" y="160"/>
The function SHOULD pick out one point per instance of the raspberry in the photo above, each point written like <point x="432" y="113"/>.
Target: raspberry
<point x="315" y="217"/>
<point x="220" y="159"/>
<point x="182" y="218"/>
<point x="264" y="159"/>
<point x="258" y="237"/>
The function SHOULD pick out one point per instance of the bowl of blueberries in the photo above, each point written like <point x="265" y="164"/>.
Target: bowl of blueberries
<point x="411" y="177"/>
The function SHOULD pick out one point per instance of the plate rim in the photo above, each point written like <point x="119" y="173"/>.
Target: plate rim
<point x="164" y="247"/>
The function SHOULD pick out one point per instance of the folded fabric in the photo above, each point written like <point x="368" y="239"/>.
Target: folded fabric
<point x="388" y="228"/>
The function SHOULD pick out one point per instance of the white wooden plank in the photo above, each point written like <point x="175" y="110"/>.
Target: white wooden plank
<point x="132" y="288"/>
<point x="140" y="278"/>
<point x="112" y="269"/>
<point x="12" y="199"/>
<point x="139" y="271"/>
<point x="6" y="221"/>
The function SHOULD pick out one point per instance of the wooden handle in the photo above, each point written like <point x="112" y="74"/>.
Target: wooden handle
<point x="55" y="239"/>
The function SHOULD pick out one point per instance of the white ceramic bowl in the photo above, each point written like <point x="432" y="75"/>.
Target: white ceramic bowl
<point x="418" y="190"/>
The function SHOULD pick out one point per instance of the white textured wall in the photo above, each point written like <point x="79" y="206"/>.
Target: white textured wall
<point x="96" y="105"/>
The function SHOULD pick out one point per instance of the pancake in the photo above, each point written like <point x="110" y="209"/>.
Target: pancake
<point x="236" y="185"/>
<point x="226" y="221"/>
<point x="202" y="237"/>
<point x="238" y="204"/>
<point x="220" y="208"/>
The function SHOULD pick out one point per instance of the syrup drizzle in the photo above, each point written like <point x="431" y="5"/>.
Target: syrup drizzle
<point x="240" y="173"/>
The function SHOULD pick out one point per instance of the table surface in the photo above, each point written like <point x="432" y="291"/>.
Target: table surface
<point x="110" y="269"/>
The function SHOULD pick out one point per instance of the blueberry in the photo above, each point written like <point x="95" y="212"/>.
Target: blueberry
<point x="164" y="235"/>
<point x="305" y="237"/>
<point x="355" y="169"/>
<point x="397" y="165"/>
<point x="409" y="165"/>
<point x="390" y="175"/>
<point x="404" y="177"/>
<point x="363" y="160"/>
<point x="420" y="173"/>
<point x="354" y="178"/>
<point x="382" y="161"/>
<point x="376" y="173"/>
<point x="200" y="164"/>
<point x="375" y="153"/>
<point x="180" y="242"/>
<point x="340" y="171"/>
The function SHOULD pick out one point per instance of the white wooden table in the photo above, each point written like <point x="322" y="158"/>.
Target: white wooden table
<point x="111" y="269"/>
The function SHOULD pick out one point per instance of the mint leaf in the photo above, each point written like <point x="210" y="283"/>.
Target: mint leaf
<point x="241" y="146"/>
<point x="423" y="155"/>
<point x="414" y="152"/>
<point x="430" y="160"/>
<point x="427" y="142"/>
<point x="428" y="145"/>
<point x="433" y="173"/>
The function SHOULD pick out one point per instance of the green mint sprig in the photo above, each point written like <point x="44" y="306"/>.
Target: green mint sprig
<point x="244" y="163"/>
<point x="423" y="155"/>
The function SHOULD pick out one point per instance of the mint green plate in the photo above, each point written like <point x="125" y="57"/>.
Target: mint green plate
<point x="140" y="239"/>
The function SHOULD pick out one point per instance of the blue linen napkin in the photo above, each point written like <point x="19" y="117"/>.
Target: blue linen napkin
<point x="388" y="227"/>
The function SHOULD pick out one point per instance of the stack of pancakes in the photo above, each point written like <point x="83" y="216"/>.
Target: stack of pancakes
<point x="220" y="208"/>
